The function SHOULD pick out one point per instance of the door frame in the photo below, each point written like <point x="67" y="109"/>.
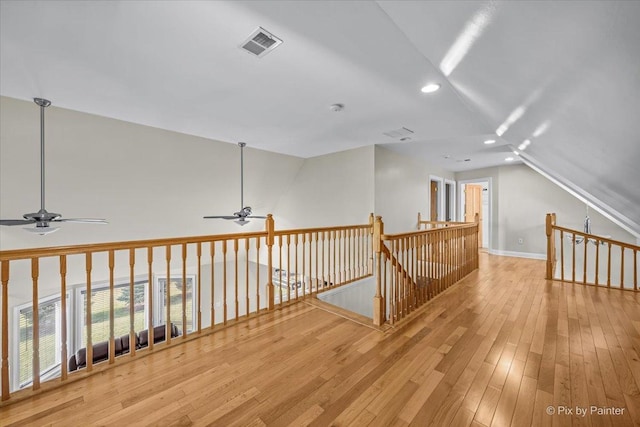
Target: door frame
<point x="440" y="182"/>
<point x="488" y="215"/>
<point x="453" y="203"/>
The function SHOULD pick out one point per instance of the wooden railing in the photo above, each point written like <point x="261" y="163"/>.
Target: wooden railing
<point x="123" y="290"/>
<point x="414" y="267"/>
<point x="590" y="259"/>
<point x="428" y="225"/>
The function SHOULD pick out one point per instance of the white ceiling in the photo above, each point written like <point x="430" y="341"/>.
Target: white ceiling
<point x="565" y="75"/>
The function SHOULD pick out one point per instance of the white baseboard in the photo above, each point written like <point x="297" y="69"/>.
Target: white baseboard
<point x="530" y="255"/>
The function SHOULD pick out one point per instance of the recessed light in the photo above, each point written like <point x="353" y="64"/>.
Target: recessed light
<point x="490" y="141"/>
<point x="430" y="88"/>
<point x="516" y="153"/>
<point x="509" y="159"/>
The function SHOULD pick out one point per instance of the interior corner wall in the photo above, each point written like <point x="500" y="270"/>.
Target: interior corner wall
<point x="148" y="183"/>
<point x="522" y="198"/>
<point x="402" y="189"/>
<point x="328" y="190"/>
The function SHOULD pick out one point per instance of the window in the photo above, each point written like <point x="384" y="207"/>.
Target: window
<point x="176" y="289"/>
<point x="49" y="322"/>
<point x="100" y="311"/>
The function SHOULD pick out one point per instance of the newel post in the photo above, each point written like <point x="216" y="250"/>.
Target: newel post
<point x="378" y="300"/>
<point x="270" y="225"/>
<point x="551" y="252"/>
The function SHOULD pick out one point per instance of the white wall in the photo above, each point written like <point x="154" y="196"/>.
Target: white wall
<point x="402" y="189"/>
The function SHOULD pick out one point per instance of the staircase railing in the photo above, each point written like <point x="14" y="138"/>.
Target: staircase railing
<point x="127" y="299"/>
<point x="414" y="267"/>
<point x="590" y="259"/>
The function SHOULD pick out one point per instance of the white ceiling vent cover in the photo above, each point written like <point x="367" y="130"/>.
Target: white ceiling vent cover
<point x="260" y="42"/>
<point x="403" y="132"/>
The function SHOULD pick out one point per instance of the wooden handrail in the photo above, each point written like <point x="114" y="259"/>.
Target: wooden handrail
<point x="397" y="265"/>
<point x="15" y="254"/>
<point x="622" y="249"/>
<point x="596" y="237"/>
<point x="462" y="225"/>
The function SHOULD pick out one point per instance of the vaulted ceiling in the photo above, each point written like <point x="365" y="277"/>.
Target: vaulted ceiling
<point x="564" y="76"/>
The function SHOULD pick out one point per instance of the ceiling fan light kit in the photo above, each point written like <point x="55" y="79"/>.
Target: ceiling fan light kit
<point x="241" y="216"/>
<point x="43" y="218"/>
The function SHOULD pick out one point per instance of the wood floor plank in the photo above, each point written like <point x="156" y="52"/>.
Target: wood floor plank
<point x="501" y="347"/>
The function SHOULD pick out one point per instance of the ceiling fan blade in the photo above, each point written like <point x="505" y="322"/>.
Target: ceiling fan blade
<point x="257" y="216"/>
<point x="16" y="221"/>
<point x="83" y="220"/>
<point x="221" y="217"/>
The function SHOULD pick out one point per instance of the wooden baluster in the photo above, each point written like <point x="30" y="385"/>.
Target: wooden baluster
<point x="112" y="342"/>
<point x="317" y="277"/>
<point x="35" y="272"/>
<point x="235" y="285"/>
<point x="573" y="261"/>
<point x="584" y="264"/>
<point x="167" y="288"/>
<point x="289" y="267"/>
<point x="212" y="250"/>
<point x="280" y="268"/>
<point x="132" y="342"/>
<point x="562" y="256"/>
<point x="635" y="270"/>
<point x="89" y="354"/>
<point x="609" y="266"/>
<point x="184" y="291"/>
<point x="270" y="240"/>
<point x="295" y="282"/>
<point x="339" y="241"/>
<point x="322" y="267"/>
<point x="334" y="238"/>
<point x="224" y="282"/>
<point x="4" y="280"/>
<point x="63" y="318"/>
<point x="257" y="275"/>
<point x="132" y="313"/>
<point x="597" y="262"/>
<point x="246" y="274"/>
<point x="304" y="270"/>
<point x="621" y="267"/>
<point x="199" y="284"/>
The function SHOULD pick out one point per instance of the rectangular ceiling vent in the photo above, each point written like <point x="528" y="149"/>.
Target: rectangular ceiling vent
<point x="260" y="42"/>
<point x="402" y="134"/>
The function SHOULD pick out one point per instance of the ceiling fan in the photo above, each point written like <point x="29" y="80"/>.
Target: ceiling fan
<point x="241" y="216"/>
<point x="42" y="218"/>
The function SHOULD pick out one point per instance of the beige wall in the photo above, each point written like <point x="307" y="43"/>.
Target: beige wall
<point x="335" y="189"/>
<point x="147" y="182"/>
<point x="402" y="189"/>
<point x="522" y="198"/>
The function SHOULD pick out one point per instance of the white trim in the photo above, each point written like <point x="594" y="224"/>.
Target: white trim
<point x="440" y="182"/>
<point x="453" y="198"/>
<point x="489" y="182"/>
<point x="530" y="255"/>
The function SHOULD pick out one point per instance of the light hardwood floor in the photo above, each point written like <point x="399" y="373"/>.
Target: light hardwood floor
<point x="499" y="348"/>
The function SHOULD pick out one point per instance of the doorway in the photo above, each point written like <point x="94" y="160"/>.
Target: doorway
<point x="475" y="198"/>
<point x="436" y="211"/>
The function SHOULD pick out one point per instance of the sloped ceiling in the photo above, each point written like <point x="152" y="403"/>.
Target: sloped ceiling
<point x="563" y="75"/>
